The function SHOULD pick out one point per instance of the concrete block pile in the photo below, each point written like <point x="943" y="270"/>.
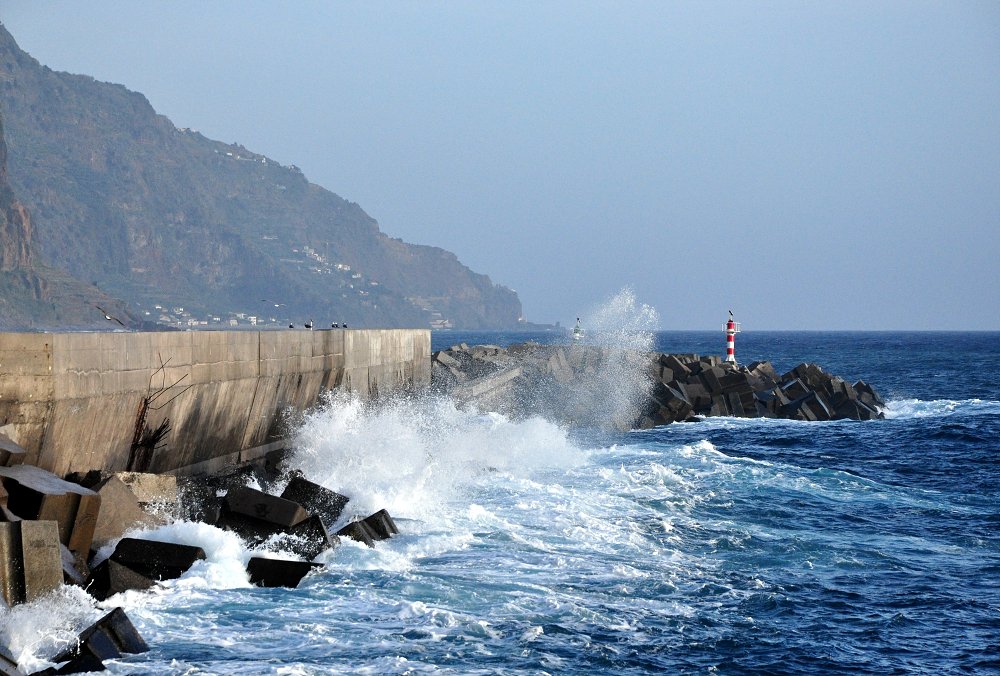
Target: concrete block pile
<point x="551" y="379"/>
<point x="462" y="363"/>
<point x="686" y="387"/>
<point x="51" y="529"/>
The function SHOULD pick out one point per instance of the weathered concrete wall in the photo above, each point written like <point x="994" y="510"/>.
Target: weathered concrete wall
<point x="72" y="399"/>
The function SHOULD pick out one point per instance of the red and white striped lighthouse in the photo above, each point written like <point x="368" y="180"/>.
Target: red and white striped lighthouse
<point x="732" y="328"/>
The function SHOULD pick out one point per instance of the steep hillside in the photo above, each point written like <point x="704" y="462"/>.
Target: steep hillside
<point x="15" y="224"/>
<point x="165" y="217"/>
<point x="35" y="296"/>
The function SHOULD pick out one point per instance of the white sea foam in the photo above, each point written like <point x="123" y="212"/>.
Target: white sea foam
<point x="36" y="632"/>
<point x="412" y="455"/>
<point x="917" y="408"/>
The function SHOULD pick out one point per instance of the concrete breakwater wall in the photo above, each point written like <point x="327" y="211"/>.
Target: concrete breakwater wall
<point x="184" y="402"/>
<point x="630" y="389"/>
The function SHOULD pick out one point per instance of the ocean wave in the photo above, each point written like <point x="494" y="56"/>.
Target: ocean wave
<point x="412" y="455"/>
<point x="917" y="408"/>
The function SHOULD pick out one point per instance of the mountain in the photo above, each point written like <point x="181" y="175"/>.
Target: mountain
<point x="165" y="219"/>
<point x="37" y="296"/>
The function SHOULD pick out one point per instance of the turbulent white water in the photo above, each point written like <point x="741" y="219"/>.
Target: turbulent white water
<point x="614" y="393"/>
<point x="415" y="455"/>
<point x="916" y="408"/>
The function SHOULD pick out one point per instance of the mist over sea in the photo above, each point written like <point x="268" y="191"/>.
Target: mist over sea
<point x="730" y="545"/>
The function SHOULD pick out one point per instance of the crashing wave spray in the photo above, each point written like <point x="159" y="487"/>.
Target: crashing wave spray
<point x="616" y="391"/>
<point x="46" y="626"/>
<point x="413" y="454"/>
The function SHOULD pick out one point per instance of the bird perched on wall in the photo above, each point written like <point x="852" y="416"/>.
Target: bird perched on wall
<point x="107" y="316"/>
<point x="309" y="324"/>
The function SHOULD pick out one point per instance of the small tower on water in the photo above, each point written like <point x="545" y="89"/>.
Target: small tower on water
<point x="732" y="328"/>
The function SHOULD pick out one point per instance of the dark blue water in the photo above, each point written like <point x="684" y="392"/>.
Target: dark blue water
<point x="726" y="546"/>
<point x="845" y="547"/>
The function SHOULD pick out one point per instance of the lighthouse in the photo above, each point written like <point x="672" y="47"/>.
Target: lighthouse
<point x="732" y="328"/>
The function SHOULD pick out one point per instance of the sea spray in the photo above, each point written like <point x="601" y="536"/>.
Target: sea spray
<point x="413" y="454"/>
<point x="46" y="626"/>
<point x="624" y="329"/>
<point x="615" y="391"/>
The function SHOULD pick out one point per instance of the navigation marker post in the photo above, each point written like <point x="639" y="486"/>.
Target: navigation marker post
<point x="732" y="328"/>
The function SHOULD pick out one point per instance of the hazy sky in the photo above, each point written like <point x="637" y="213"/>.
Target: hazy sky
<point x="811" y="165"/>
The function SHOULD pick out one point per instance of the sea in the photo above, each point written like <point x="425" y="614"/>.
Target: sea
<point x="729" y="546"/>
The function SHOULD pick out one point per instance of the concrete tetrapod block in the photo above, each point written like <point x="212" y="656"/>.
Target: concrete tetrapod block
<point x="74" y="568"/>
<point x="108" y="638"/>
<point x="266" y="572"/>
<point x="381" y="524"/>
<point x="868" y="396"/>
<point x="359" y="532"/>
<point x="30" y="560"/>
<point x="139" y="564"/>
<point x="378" y="526"/>
<point x="8" y="665"/>
<point x="794" y="389"/>
<point x="819" y="406"/>
<point x="749" y="404"/>
<point x="666" y="374"/>
<point x="720" y="406"/>
<point x="735" y="382"/>
<point x="764" y="368"/>
<point x="323" y="502"/>
<point x="445" y="359"/>
<point x="767" y="403"/>
<point x="679" y="389"/>
<point x="147" y="488"/>
<point x="679" y="368"/>
<point x="156" y="560"/>
<point x="35" y="493"/>
<point x="10" y="452"/>
<point x="735" y="404"/>
<point x="120" y="511"/>
<point x="799" y="409"/>
<point x="110" y="577"/>
<point x="309" y="537"/>
<point x="711" y="378"/>
<point x="264" y="507"/>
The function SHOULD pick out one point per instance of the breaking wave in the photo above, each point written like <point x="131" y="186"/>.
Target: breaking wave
<point x="936" y="408"/>
<point x="411" y="455"/>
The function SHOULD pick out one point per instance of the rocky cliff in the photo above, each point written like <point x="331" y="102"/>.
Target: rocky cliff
<point x="158" y="215"/>
<point x="15" y="224"/>
<point x="34" y="295"/>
